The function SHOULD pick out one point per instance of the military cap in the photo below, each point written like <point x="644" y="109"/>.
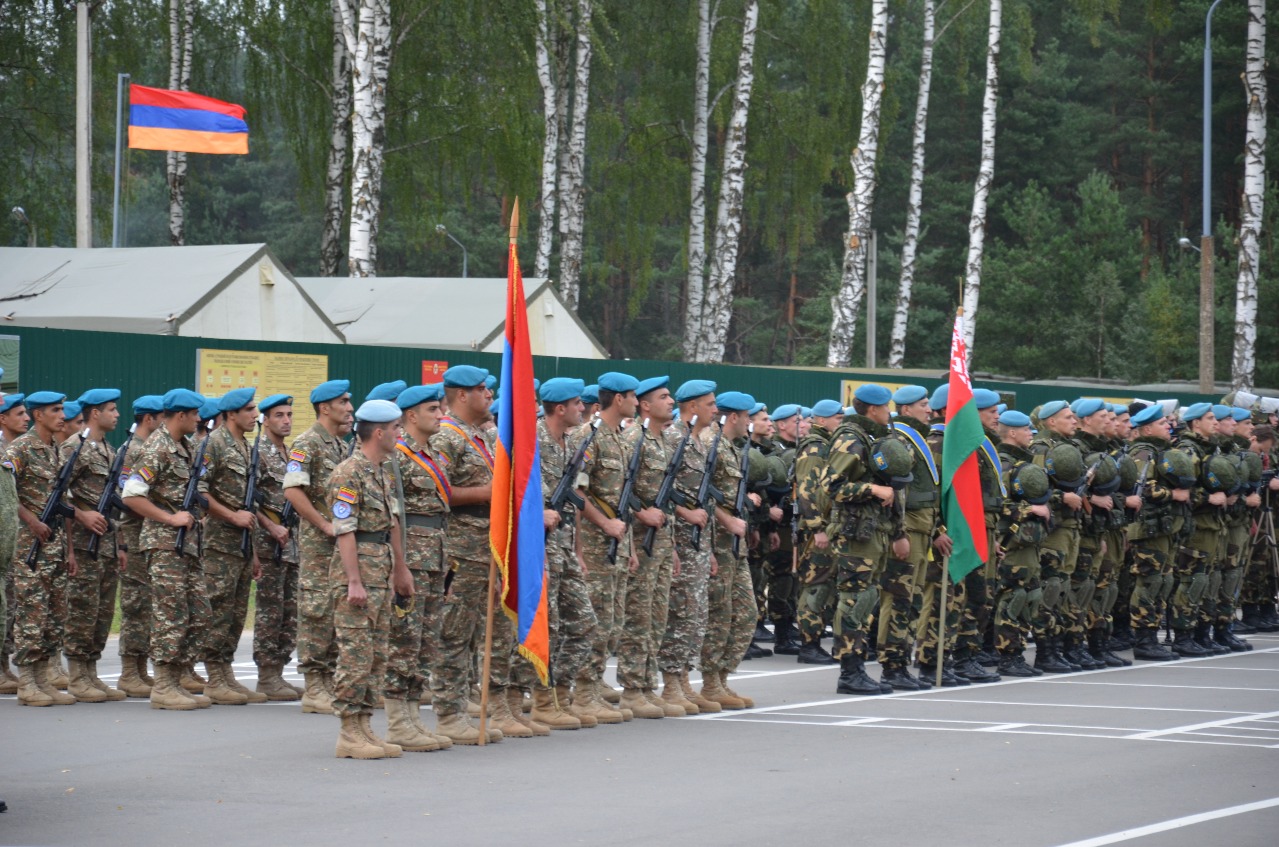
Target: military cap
<point x="1241" y="414"/>
<point x="415" y="395"/>
<point x="274" y="400"/>
<point x="1001" y="408"/>
<point x="1014" y="418"/>
<point x="875" y="395"/>
<point x="591" y="393"/>
<point x="148" y="404"/>
<point x="1051" y="408"/>
<point x="70" y="409"/>
<point x="1196" y="411"/>
<point x="940" y="395"/>
<point x="209" y="409"/>
<point x="781" y="413"/>
<point x="1087" y="406"/>
<point x="495" y="407"/>
<point x="1220" y="411"/>
<point x="561" y="389"/>
<point x="377" y="411"/>
<point x="98" y="396"/>
<point x="618" y="383"/>
<point x="235" y="399"/>
<point x="806" y="412"/>
<point x="12" y="400"/>
<point x="652" y="384"/>
<point x="465" y="376"/>
<point x="756" y="409"/>
<point x="734" y="401"/>
<point x="693" y="389"/>
<point x="908" y="394"/>
<point x="387" y="390"/>
<point x="182" y="400"/>
<point x="827" y="409"/>
<point x="490" y="382"/>
<point x="1119" y="408"/>
<point x="1148" y="415"/>
<point x="44" y="398"/>
<point x="331" y="390"/>
<point x="984" y="398"/>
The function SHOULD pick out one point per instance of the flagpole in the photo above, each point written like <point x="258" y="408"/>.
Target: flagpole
<point x="945" y="562"/>
<point x="119" y="123"/>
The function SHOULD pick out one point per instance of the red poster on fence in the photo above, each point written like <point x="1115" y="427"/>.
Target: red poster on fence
<point x="433" y="372"/>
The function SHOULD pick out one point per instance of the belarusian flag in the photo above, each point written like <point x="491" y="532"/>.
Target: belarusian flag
<point x="960" y="479"/>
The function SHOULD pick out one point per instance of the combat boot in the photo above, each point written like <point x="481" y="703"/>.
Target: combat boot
<point x="1184" y="645"/>
<point x="29" y="691"/>
<point x="392" y="751"/>
<point x="1203" y="637"/>
<point x="218" y="689"/>
<point x="1148" y="649"/>
<point x="601" y="696"/>
<point x="1076" y="653"/>
<point x="1014" y="664"/>
<point x="586" y="701"/>
<point x="228" y="674"/>
<point x="414" y="709"/>
<point x="167" y="694"/>
<point x="8" y="682"/>
<point x="633" y="699"/>
<point x="45" y="682"/>
<point x="191" y="681"/>
<point x="784" y="641"/>
<point x="1242" y="627"/>
<point x="713" y="690"/>
<point x="1269" y="618"/>
<point x="271" y="684"/>
<point x="853" y="678"/>
<point x="563" y="700"/>
<point x="762" y="633"/>
<point x="112" y="694"/>
<point x="1097" y="647"/>
<point x="704" y="706"/>
<point x="608" y="693"/>
<point x="80" y="686"/>
<point x="515" y="702"/>
<point x="723" y="681"/>
<point x="457" y="729"/>
<point x="501" y="718"/>
<point x="401" y="730"/>
<point x="1046" y="659"/>
<point x="352" y="743"/>
<point x="316" y="699"/>
<point x="812" y="653"/>
<point x="141" y="664"/>
<point x="673" y="693"/>
<point x="1225" y="636"/>
<point x="670" y="710"/>
<point x="899" y="679"/>
<point x="57" y="675"/>
<point x="547" y="711"/>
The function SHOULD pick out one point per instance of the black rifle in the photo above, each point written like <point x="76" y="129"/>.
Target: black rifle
<point x="1139" y="490"/>
<point x="110" y="503"/>
<point x="628" y="502"/>
<point x="668" y="496"/>
<point x="251" y="493"/>
<point x="288" y="520"/>
<point x="739" y="504"/>
<point x="193" y="500"/>
<point x="1082" y="490"/>
<point x="566" y="488"/>
<point x="55" y="511"/>
<point x="706" y="490"/>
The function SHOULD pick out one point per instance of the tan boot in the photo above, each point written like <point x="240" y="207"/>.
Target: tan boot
<point x="586" y="701"/>
<point x="547" y="711"/>
<point x="167" y="693"/>
<point x="669" y="709"/>
<point x="457" y="729"/>
<point x="235" y="685"/>
<point x="563" y="701"/>
<point x="131" y="682"/>
<point x="414" y="708"/>
<point x="602" y="692"/>
<point x="723" y="681"/>
<point x="352" y="743"/>
<point x="473" y="707"/>
<point x="8" y="682"/>
<point x="704" y="706"/>
<point x="426" y="697"/>
<point x="392" y="751"/>
<point x="29" y="691"/>
<point x="515" y="700"/>
<point x="80" y="686"/>
<point x="113" y="694"/>
<point x="141" y="662"/>
<point x="330" y="683"/>
<point x="501" y="718"/>
<point x="316" y="699"/>
<point x="43" y="680"/>
<point x="713" y="690"/>
<point x="673" y="693"/>
<point x="58" y="676"/>
<point x="401" y="730"/>
<point x="271" y="684"/>
<point x="609" y="694"/>
<point x="633" y="699"/>
<point x="191" y="681"/>
<point x="218" y="689"/>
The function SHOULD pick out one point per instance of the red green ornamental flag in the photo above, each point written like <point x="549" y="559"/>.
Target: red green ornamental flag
<point x="960" y="478"/>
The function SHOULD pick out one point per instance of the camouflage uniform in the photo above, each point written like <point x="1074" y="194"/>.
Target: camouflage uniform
<point x="926" y="598"/>
<point x="816" y="567"/>
<point x="312" y="457"/>
<point x="978" y="604"/>
<point x="783" y="583"/>
<point x="275" y="613"/>
<point x="606" y="465"/>
<point x="1058" y="554"/>
<point x="1154" y="536"/>
<point x="686" y="621"/>
<point x="1020" y="533"/>
<point x="730" y="601"/>
<point x="360" y="502"/>
<point x="180" y="614"/>
<point x="1114" y="576"/>
<point x="1259" y="589"/>
<point x="91" y="592"/>
<point x="227" y="573"/>
<point x="1093" y="574"/>
<point x="8" y="545"/>
<point x="1198" y="564"/>
<point x="1238" y="521"/>
<point x="135" y="580"/>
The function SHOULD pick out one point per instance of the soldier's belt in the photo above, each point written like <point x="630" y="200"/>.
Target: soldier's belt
<point x="478" y="510"/>
<point x="381" y="537"/>
<point x="425" y="521"/>
<point x="271" y="514"/>
<point x="603" y="506"/>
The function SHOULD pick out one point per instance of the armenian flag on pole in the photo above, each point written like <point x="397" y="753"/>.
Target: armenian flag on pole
<point x="160" y="119"/>
<point x="960" y="477"/>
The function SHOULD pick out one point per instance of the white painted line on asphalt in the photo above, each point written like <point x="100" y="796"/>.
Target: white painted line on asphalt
<point x="1187" y="728"/>
<point x="858" y="722"/>
<point x="1175" y="823"/>
<point x="1080" y="706"/>
<point x="1155" y="685"/>
<point x="1220" y="668"/>
<point x="1001" y="727"/>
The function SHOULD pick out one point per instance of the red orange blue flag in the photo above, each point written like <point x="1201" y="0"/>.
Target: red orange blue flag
<point x="516" y="531"/>
<point x="160" y="119"/>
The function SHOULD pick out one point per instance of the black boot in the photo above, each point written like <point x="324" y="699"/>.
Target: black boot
<point x="761" y="632"/>
<point x="1203" y="637"/>
<point x="1242" y="627"/>
<point x="948" y="669"/>
<point x="971" y="670"/>
<point x="1225" y="636"/>
<point x="948" y="679"/>
<point x="853" y="678"/>
<point x="1078" y="654"/>
<point x="1097" y="646"/>
<point x="1121" y="637"/>
<point x="1185" y="645"/>
<point x="811" y="653"/>
<point x="1148" y="648"/>
<point x="1046" y="658"/>
<point x="1269" y="620"/>
<point x="1014" y="664"/>
<point x="785" y="643"/>
<point x="899" y="679"/>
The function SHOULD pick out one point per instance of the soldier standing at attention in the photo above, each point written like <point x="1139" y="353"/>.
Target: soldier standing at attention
<point x="783" y="585"/>
<point x="366" y="571"/>
<point x="816" y="560"/>
<point x="8" y="544"/>
<point x="1198" y="567"/>
<point x="312" y="457"/>
<point x="14" y="421"/>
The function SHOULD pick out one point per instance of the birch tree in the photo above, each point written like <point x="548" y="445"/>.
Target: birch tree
<point x="573" y="174"/>
<point x="718" y="307"/>
<point x="696" y="285"/>
<point x="985" y="174"/>
<point x="382" y="42"/>
<point x="335" y="172"/>
<point x="861" y="200"/>
<point x="552" y="94"/>
<point x="367" y="126"/>
<point x="1254" y="189"/>
<point x="181" y="44"/>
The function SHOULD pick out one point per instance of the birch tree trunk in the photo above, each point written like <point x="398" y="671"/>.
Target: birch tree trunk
<point x="718" y="312"/>
<point x="363" y="121"/>
<point x="861" y="200"/>
<point x="377" y="151"/>
<point x="181" y="44"/>
<point x="1254" y="190"/>
<point x="696" y="286"/>
<point x="573" y="179"/>
<point x="339" y="143"/>
<point x="551" y="95"/>
<point x="985" y="174"/>
<point x="915" y="201"/>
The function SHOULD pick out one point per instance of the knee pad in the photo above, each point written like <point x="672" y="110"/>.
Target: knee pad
<point x="1230" y="581"/>
<point x="1051" y="592"/>
<point x="1169" y="583"/>
<point x="1082" y="592"/>
<point x="1198" y="585"/>
<point x="1034" y="601"/>
<point x="1214" y="584"/>
<point x="1109" y="597"/>
<point x="1017" y="603"/>
<point x="866" y="604"/>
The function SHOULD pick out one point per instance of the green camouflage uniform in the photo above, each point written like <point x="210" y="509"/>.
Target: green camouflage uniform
<point x="1239" y="518"/>
<point x="927" y="600"/>
<point x="1259" y="581"/>
<point x="1058" y="554"/>
<point x="227" y="573"/>
<point x="730" y="601"/>
<point x="1020" y="534"/>
<point x="1198" y="564"/>
<point x="91" y="592"/>
<point x="1093" y="573"/>
<point x="783" y="584"/>
<point x="1154" y="537"/>
<point x="816" y="567"/>
<point x="606" y="465"/>
<point x="686" y="621"/>
<point x="275" y="611"/>
<point x="979" y="604"/>
<point x="135" y="580"/>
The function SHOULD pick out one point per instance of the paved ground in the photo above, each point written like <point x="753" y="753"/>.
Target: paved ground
<point x="1168" y="755"/>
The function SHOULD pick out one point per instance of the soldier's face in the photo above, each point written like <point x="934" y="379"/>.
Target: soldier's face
<point x="1019" y="436"/>
<point x="704" y="407"/>
<point x="917" y="410"/>
<point x="628" y="403"/>
<point x="1207" y="425"/>
<point x="658" y="405"/>
<point x="989" y="416"/>
<point x="49" y="418"/>
<point x="16" y="420"/>
<point x="879" y="414"/>
<point x="279" y="421"/>
<point x="108" y="416"/>
<point x="1226" y="426"/>
<point x="1244" y="428"/>
<point x="735" y="424"/>
<point x="1063" y="423"/>
<point x="187" y="422"/>
<point x="246" y="417"/>
<point x="74" y="424"/>
<point x="387" y="434"/>
<point x="763" y="426"/>
<point x="788" y="428"/>
<point x="428" y="417"/>
<point x="340" y="411"/>
<point x="1121" y="427"/>
<point x="805" y="426"/>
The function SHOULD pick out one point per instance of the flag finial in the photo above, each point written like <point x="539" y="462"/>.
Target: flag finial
<point x="515" y="221"/>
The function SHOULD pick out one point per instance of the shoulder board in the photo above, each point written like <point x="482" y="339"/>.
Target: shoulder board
<point x="917" y="441"/>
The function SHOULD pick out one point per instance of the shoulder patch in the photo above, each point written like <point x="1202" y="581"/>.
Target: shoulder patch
<point x="14" y="464"/>
<point x="297" y="455"/>
<point x="145" y="474"/>
<point x="293" y="467"/>
<point x="345" y="495"/>
<point x="341" y="510"/>
<point x="7" y="466"/>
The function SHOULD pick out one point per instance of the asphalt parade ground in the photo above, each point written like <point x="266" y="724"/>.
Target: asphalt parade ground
<point x="1177" y="754"/>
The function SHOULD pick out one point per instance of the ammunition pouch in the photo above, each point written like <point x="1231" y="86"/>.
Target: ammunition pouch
<point x="1017" y="603"/>
<point x="861" y="523"/>
<point x="1034" y="602"/>
<point x="866" y="604"/>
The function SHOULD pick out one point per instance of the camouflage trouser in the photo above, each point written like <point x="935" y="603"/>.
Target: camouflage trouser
<point x="897" y="613"/>
<point x="927" y="601"/>
<point x="1125" y="583"/>
<point x="1100" y="612"/>
<point x="979" y="603"/>
<point x="686" y="622"/>
<point x="648" y="596"/>
<point x="462" y="636"/>
<point x="1232" y="568"/>
<point x="1153" y="579"/>
<point x="135" y="596"/>
<point x="317" y="647"/>
<point x="6" y="616"/>
<point x="731" y="612"/>
<point x="861" y="564"/>
<point x="1083" y="582"/>
<point x="1058" y="559"/>
<point x="180" y="614"/>
<point x="816" y="579"/>
<point x="275" y="610"/>
<point x="227" y="577"/>
<point x="412" y="644"/>
<point x="1259" y="579"/>
<point x="607" y="584"/>
<point x="758" y="567"/>
<point x="40" y="607"/>
<point x="1018" y="602"/>
<point x="783" y="584"/>
<point x="91" y="603"/>
<point x="1195" y="568"/>
<point x="361" y="642"/>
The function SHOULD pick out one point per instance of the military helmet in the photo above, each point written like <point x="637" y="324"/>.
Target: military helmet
<point x="1105" y="479"/>
<point x="1065" y="465"/>
<point x="1221" y="474"/>
<point x="1251" y="463"/>
<point x="779" y="477"/>
<point x="892" y="462"/>
<point x="758" y="473"/>
<point x="1030" y="483"/>
<point x="1128" y="472"/>
<point x="1177" y="468"/>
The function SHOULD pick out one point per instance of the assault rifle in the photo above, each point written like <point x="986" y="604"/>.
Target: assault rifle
<point x="288" y="520"/>
<point x="667" y="495"/>
<point x="566" y="489"/>
<point x="110" y="503"/>
<point x="627" y="502"/>
<point x="739" y="503"/>
<point x="706" y="490"/>
<point x="1139" y="490"/>
<point x="193" y="501"/>
<point x="251" y="492"/>
<point x="55" y="511"/>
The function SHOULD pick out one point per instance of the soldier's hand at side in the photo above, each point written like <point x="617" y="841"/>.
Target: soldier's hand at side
<point x="41" y="531"/>
<point x="775" y="514"/>
<point x="1041" y="509"/>
<point x="1072" y="500"/>
<point x="901" y="548"/>
<point x="614" y="528"/>
<point x="821" y="540"/>
<point x="582" y="562"/>
<point x="356" y="595"/>
<point x="696" y="517"/>
<point x="92" y="521"/>
<point x="73" y="566"/>
<point x="754" y="497"/>
<point x="1101" y="502"/>
<point x="257" y="567"/>
<point x="675" y="565"/>
<point x="942" y="544"/>
<point x="1253" y="500"/>
<point x="550" y="519"/>
<point x="883" y="493"/>
<point x="651" y="516"/>
<point x="714" y="565"/>
<point x="279" y="534"/>
<point x="121" y="560"/>
<point x="243" y="519"/>
<point x="1132" y="501"/>
<point x="1181" y="495"/>
<point x="634" y="564"/>
<point x="1217" y="498"/>
<point x="177" y="520"/>
<point x="402" y="582"/>
<point x="735" y="526"/>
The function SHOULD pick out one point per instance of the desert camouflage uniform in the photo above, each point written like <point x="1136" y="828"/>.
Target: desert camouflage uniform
<point x="686" y="621"/>
<point x="91" y="592"/>
<point x="731" y="612"/>
<point x="135" y="580"/>
<point x="227" y="573"/>
<point x="8" y="545"/>
<point x="816" y="567"/>
<point x="605" y="466"/>
<point x="275" y="613"/>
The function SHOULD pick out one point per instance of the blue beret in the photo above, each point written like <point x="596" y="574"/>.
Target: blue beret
<point x="561" y="389"/>
<point x="148" y="404"/>
<point x="98" y="396"/>
<point x="940" y="395"/>
<point x="1001" y="408"/>
<point x="591" y="393"/>
<point x="44" y="398"/>
<point x="416" y="395"/>
<point x="494" y="407"/>
<point x="1119" y="408"/>
<point x="618" y="382"/>
<point x="805" y="411"/>
<point x="1051" y="408"/>
<point x="875" y="395"/>
<point x="1150" y="414"/>
<point x="734" y="401"/>
<point x="1241" y="414"/>
<point x="209" y="409"/>
<point x="908" y="394"/>
<point x="1087" y="406"/>
<point x="1196" y="411"/>
<point x="693" y="389"/>
<point x="274" y="400"/>
<point x="1012" y="417"/>
<point x="377" y="411"/>
<point x="537" y="385"/>
<point x="387" y="390"/>
<point x="70" y="409"/>
<point x="1220" y="411"/>
<point x="652" y="384"/>
<point x="235" y="399"/>
<point x="490" y="382"/>
<point x="12" y="400"/>
<point x="827" y="409"/>
<point x="984" y="398"/>
<point x="182" y="400"/>
<point x="757" y="408"/>
<point x="331" y="390"/>
<point x="464" y="376"/>
<point x="781" y="413"/>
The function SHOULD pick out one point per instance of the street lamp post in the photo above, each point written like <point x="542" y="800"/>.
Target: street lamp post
<point x="1207" y="296"/>
<point x="442" y="230"/>
<point x="21" y="215"/>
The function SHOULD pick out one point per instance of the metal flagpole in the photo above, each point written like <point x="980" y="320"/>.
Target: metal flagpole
<point x="119" y="122"/>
